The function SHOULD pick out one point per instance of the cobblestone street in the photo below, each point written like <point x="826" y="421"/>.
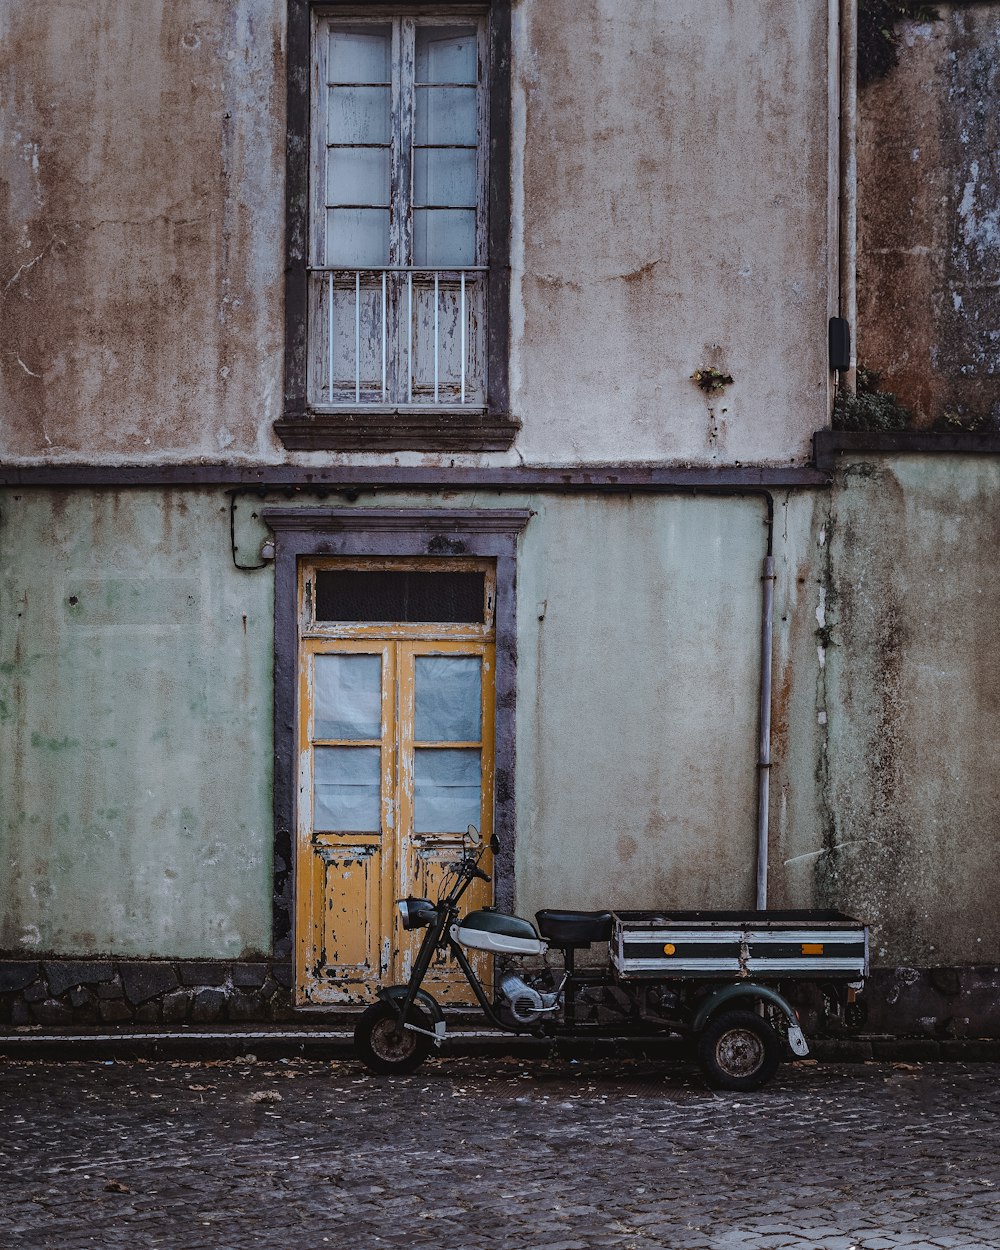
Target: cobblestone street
<point x="491" y="1152"/>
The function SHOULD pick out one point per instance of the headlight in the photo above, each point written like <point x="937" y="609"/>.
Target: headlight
<point x="416" y="913"/>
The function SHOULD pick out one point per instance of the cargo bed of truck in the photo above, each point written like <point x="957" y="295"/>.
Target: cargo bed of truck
<point x="805" y="945"/>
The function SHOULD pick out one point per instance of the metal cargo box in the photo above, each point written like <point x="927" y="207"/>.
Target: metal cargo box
<point x="808" y="945"/>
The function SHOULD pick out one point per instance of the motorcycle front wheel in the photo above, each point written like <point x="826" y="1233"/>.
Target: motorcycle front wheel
<point x="384" y="1046"/>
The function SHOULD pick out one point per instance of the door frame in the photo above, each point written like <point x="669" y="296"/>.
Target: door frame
<point x="305" y="533"/>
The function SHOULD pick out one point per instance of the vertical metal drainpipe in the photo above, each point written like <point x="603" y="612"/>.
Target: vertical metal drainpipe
<point x="848" y="214"/>
<point x="764" y="752"/>
<point x="767" y="578"/>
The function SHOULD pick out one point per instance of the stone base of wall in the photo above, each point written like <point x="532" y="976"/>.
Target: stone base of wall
<point x="72" y="992"/>
<point x="932" y="1004"/>
<point x="936" y="1004"/>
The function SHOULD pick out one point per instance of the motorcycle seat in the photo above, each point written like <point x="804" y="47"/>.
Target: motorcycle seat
<point x="574" y="928"/>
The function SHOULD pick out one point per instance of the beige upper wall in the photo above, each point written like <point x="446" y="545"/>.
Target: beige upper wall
<point x="142" y="227"/>
<point x="670" y="193"/>
<point x="671" y="213"/>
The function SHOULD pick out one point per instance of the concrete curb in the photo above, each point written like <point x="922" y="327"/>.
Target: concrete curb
<point x="337" y="1043"/>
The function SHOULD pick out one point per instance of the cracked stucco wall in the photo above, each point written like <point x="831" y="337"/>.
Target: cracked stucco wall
<point x="671" y="212"/>
<point x="929" y="219"/>
<point x="885" y="792"/>
<point x="141" y="202"/>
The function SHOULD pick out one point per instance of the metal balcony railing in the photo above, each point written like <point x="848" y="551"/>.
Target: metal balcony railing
<point x="398" y="335"/>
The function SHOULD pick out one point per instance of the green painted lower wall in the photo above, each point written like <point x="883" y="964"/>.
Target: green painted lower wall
<point x="136" y="705"/>
<point x="135" y="728"/>
<point x="638" y="680"/>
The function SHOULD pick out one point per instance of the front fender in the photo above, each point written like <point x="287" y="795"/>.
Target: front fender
<point x="748" y="989"/>
<point x="394" y="995"/>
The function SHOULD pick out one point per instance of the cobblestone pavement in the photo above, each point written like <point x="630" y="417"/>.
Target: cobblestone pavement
<point x="486" y="1153"/>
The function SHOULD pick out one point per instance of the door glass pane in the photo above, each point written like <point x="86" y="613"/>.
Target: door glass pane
<point x="347" y="789"/>
<point x="348" y="696"/>
<point x="360" y="54"/>
<point x="357" y="176"/>
<point x="446" y="54"/>
<point x="446" y="790"/>
<point x="444" y="176"/>
<point x="445" y="115"/>
<point x="444" y="236"/>
<point x="448" y="698"/>
<point x="359" y="115"/>
<point x="356" y="237"/>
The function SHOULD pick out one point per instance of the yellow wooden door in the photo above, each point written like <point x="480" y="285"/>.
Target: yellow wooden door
<point x="395" y="761"/>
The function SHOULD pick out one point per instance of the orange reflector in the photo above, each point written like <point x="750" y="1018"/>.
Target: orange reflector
<point x="812" y="948"/>
<point x="669" y="948"/>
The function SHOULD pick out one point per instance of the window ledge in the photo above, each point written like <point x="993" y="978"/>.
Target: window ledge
<point x="437" y="428"/>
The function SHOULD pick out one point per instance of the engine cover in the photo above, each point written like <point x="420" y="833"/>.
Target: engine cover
<point x="525" y="1003"/>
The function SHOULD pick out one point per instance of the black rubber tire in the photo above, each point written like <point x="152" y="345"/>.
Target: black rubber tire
<point x="738" y="1050"/>
<point x="384" y="1046"/>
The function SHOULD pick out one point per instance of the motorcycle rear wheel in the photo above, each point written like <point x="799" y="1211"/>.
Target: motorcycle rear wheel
<point x="738" y="1050"/>
<point x="384" y="1046"/>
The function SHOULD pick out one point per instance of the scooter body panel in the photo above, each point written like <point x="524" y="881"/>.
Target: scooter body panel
<point x="498" y="943"/>
<point x="499" y="933"/>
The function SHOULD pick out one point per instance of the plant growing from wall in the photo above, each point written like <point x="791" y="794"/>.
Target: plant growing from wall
<point x="878" y="37"/>
<point x="711" y="380"/>
<point x="968" y="423"/>
<point x="871" y="408"/>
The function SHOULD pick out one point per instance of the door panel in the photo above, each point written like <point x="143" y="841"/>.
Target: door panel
<point x="346" y="818"/>
<point x="351" y="885"/>
<point x="446" y="716"/>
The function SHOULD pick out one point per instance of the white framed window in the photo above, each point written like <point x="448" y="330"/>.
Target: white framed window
<point x="398" y="230"/>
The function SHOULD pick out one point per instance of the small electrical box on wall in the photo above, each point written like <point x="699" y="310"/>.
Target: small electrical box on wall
<point x="840" y="344"/>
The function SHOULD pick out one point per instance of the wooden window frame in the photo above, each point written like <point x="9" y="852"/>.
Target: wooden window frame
<point x="307" y="535"/>
<point x="363" y="427"/>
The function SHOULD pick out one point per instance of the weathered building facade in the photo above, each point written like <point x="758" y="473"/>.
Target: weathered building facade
<point x="409" y="418"/>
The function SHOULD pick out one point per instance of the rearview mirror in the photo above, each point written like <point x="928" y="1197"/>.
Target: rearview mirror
<point x="473" y="835"/>
<point x="494" y="843"/>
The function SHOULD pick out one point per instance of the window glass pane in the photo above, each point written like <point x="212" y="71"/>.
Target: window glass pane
<point x="445" y="115"/>
<point x="347" y="696"/>
<point x="358" y="176"/>
<point x="448" y="698"/>
<point x="357" y="236"/>
<point x="346" y="789"/>
<point x="359" y="115"/>
<point x="444" y="176"/>
<point x="360" y="54"/>
<point x="446" y="54"/>
<point x="446" y="790"/>
<point x="395" y="595"/>
<point x="444" y="236"/>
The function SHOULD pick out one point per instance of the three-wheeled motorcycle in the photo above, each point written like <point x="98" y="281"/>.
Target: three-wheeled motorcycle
<point x="720" y="979"/>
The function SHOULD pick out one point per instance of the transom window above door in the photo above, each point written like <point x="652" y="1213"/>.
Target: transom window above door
<point x="397" y="299"/>
<point x="385" y="597"/>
